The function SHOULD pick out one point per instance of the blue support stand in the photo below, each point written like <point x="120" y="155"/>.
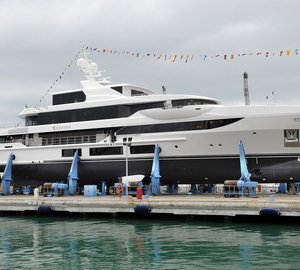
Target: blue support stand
<point x="155" y="174"/>
<point x="103" y="188"/>
<point x="244" y="181"/>
<point x="297" y="186"/>
<point x="73" y="174"/>
<point x="7" y="175"/>
<point x="282" y="188"/>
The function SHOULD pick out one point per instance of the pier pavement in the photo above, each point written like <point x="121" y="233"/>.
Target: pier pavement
<point x="195" y="205"/>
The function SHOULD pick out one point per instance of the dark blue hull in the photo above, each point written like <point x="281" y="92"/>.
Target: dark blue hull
<point x="188" y="170"/>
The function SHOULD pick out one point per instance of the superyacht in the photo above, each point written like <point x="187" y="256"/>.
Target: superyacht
<point x="111" y="123"/>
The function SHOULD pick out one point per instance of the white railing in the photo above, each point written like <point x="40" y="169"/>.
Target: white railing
<point x="69" y="140"/>
<point x="11" y="125"/>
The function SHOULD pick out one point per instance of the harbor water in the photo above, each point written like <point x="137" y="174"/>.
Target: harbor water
<point x="41" y="242"/>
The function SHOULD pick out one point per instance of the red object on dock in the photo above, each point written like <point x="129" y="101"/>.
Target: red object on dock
<point x="139" y="193"/>
<point x="259" y="188"/>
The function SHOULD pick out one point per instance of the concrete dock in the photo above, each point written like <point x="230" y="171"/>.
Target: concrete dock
<point x="196" y="205"/>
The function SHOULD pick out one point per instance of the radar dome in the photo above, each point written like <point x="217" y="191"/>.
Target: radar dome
<point x="81" y="63"/>
<point x="94" y="66"/>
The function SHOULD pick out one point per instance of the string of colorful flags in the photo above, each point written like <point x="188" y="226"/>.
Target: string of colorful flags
<point x="190" y="57"/>
<point x="59" y="77"/>
<point x="171" y="57"/>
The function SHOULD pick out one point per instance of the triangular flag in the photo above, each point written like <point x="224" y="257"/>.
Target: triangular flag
<point x="186" y="58"/>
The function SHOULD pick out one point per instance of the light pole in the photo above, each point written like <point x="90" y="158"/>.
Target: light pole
<point x="127" y="144"/>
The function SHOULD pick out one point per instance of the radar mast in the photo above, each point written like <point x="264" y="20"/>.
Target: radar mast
<point x="90" y="68"/>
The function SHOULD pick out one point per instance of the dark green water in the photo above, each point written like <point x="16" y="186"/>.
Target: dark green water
<point x="28" y="242"/>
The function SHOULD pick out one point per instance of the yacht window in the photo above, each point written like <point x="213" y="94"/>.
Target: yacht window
<point x="201" y="125"/>
<point x="99" y="151"/>
<point x="118" y="89"/>
<point x="215" y="123"/>
<point x="98" y="113"/>
<point x="142" y="149"/>
<point x="70" y="152"/>
<point x="185" y="102"/>
<point x="71" y="140"/>
<point x="31" y="120"/>
<point x="182" y="126"/>
<point x="137" y="93"/>
<point x="66" y="98"/>
<point x="56" y="141"/>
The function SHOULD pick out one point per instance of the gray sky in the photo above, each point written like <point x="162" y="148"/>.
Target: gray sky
<point x="40" y="37"/>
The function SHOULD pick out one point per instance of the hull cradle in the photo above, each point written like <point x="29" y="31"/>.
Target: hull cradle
<point x="187" y="170"/>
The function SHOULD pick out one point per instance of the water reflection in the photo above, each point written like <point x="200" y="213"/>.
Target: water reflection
<point x="93" y="243"/>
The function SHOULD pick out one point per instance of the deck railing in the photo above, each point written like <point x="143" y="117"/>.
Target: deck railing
<point x="69" y="140"/>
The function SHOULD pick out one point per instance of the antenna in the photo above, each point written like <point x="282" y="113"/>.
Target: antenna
<point x="164" y="90"/>
<point x="271" y="100"/>
<point x="246" y="90"/>
<point x="90" y="69"/>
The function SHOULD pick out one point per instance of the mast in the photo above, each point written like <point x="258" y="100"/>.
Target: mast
<point x="246" y="90"/>
<point x="90" y="69"/>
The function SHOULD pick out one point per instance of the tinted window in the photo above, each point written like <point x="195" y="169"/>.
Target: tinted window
<point x="183" y="126"/>
<point x="99" y="151"/>
<point x="137" y="93"/>
<point x="185" y="102"/>
<point x="69" y="98"/>
<point x="118" y="89"/>
<point x="107" y="112"/>
<point x="142" y="149"/>
<point x="69" y="152"/>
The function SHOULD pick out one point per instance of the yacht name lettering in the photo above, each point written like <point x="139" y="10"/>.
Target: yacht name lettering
<point x="61" y="127"/>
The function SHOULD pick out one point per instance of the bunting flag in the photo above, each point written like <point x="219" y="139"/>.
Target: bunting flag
<point x="172" y="58"/>
<point x="203" y="57"/>
<point x="60" y="76"/>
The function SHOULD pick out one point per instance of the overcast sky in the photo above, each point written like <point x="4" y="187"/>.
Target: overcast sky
<point x="40" y="37"/>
